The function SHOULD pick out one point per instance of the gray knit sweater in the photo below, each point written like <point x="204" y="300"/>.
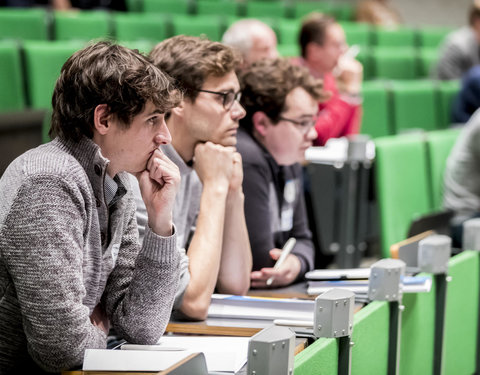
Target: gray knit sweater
<point x="63" y="251"/>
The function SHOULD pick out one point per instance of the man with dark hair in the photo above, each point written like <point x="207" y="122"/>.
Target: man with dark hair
<point x="324" y="53"/>
<point x="281" y="101"/>
<point x="461" y="48"/>
<point x="70" y="262"/>
<point x="208" y="212"/>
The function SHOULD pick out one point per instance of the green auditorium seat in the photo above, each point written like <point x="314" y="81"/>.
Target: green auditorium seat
<point x="139" y="26"/>
<point x="319" y="358"/>
<point x="461" y="315"/>
<point x="375" y="120"/>
<point x="168" y="6"/>
<point x="43" y="63"/>
<point x="448" y="90"/>
<point x="370" y="335"/>
<point x="12" y="95"/>
<point x="258" y="9"/>
<point x="134" y="5"/>
<point x="432" y="36"/>
<point x="414" y="105"/>
<point x="288" y="31"/>
<point x="394" y="63"/>
<point x="343" y="11"/>
<point x="427" y="58"/>
<point x="23" y="24"/>
<point x="418" y="332"/>
<point x="401" y="37"/>
<point x="357" y="33"/>
<point x="302" y="8"/>
<point x="208" y="26"/>
<point x="401" y="185"/>
<point x="288" y="50"/>
<point x="143" y="46"/>
<point x="84" y="25"/>
<point x="365" y="58"/>
<point x="217" y="7"/>
<point x="439" y="145"/>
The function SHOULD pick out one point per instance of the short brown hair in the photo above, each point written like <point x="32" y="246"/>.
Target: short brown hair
<point x="266" y="84"/>
<point x="191" y="60"/>
<point x="313" y="29"/>
<point x="474" y="12"/>
<point x="106" y="73"/>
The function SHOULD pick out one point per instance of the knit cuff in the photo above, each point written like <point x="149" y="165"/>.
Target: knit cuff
<point x="159" y="248"/>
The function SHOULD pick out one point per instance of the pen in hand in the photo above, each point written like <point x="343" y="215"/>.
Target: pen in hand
<point x="287" y="249"/>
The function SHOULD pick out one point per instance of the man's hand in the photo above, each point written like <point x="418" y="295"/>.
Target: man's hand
<point x="99" y="319"/>
<point x="159" y="184"/>
<point x="237" y="174"/>
<point x="215" y="164"/>
<point x="284" y="275"/>
<point x="350" y="76"/>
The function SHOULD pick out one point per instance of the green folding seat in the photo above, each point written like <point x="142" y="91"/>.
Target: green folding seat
<point x="448" y="90"/>
<point x="461" y="315"/>
<point x="208" y="26"/>
<point x="168" y="6"/>
<point x="288" y="50"/>
<point x="84" y="25"/>
<point x="370" y="335"/>
<point x="134" y="5"/>
<point x="288" y="31"/>
<point x="439" y="145"/>
<point x="401" y="37"/>
<point x="140" y="26"/>
<point x="217" y="7"/>
<point x="256" y="9"/>
<point x="143" y="46"/>
<point x="417" y="337"/>
<point x="12" y="95"/>
<point x="365" y="58"/>
<point x="302" y="8"/>
<point x="44" y="61"/>
<point x="357" y="33"/>
<point x="394" y="63"/>
<point x="343" y="11"/>
<point x="322" y="354"/>
<point x="23" y="24"/>
<point x="401" y="185"/>
<point x="432" y="36"/>
<point x="414" y="105"/>
<point x="427" y="58"/>
<point x="375" y="120"/>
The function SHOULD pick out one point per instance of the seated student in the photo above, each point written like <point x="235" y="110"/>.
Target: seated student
<point x="281" y="101"/>
<point x="462" y="178"/>
<point x="467" y="100"/>
<point x="209" y="206"/>
<point x="70" y="262"/>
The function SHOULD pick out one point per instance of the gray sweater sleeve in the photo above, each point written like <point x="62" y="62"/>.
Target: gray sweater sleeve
<point x="42" y="245"/>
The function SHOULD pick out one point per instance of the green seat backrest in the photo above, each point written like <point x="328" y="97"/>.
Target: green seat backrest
<point x="23" y="24"/>
<point x="357" y="33"/>
<point x="418" y="332"/>
<point x="370" y="335"/>
<point x="448" y="90"/>
<point x="439" y="145"/>
<point x="394" y="63"/>
<point x="134" y="5"/>
<point x="320" y="358"/>
<point x="375" y="120"/>
<point x="143" y="46"/>
<point x="402" y="37"/>
<point x="402" y="185"/>
<point x="134" y="26"/>
<point x="167" y="6"/>
<point x="461" y="315"/>
<point x="217" y="7"/>
<point x="432" y="36"/>
<point x="255" y="9"/>
<point x="365" y="58"/>
<point x="208" y="26"/>
<point x="302" y="8"/>
<point x="12" y="95"/>
<point x="343" y="11"/>
<point x="288" y="31"/>
<point x="414" y="105"/>
<point x="84" y="25"/>
<point x="427" y="57"/>
<point x="44" y="61"/>
<point x="288" y="50"/>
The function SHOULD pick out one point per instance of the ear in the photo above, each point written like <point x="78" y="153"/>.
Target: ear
<point x="261" y="122"/>
<point x="178" y="111"/>
<point x="102" y="118"/>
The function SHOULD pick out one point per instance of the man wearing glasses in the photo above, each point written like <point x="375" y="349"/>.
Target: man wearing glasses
<point x="281" y="101"/>
<point x="208" y="212"/>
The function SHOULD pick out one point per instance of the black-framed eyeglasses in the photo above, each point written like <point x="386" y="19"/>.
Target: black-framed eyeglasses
<point x="229" y="97"/>
<point x="304" y="125"/>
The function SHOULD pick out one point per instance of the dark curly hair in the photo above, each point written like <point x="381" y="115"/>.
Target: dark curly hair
<point x="106" y="73"/>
